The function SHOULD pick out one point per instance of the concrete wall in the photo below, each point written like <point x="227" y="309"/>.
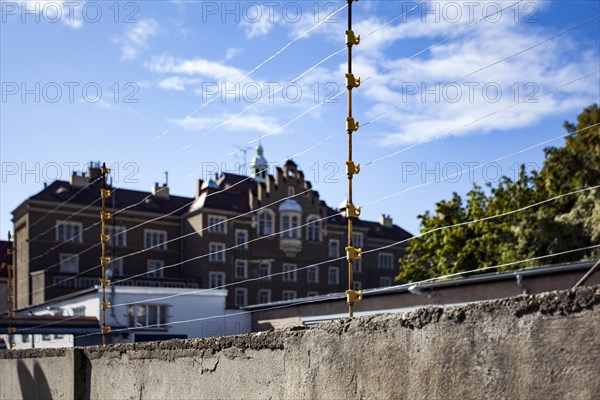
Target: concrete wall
<point x="542" y="346"/>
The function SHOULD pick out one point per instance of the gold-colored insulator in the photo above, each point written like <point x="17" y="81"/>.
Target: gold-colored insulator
<point x="104" y="282"/>
<point x="105" y="193"/>
<point x="104" y="238"/>
<point x="105" y="305"/>
<point x="352" y="39"/>
<point x="351" y="125"/>
<point x="352" y="81"/>
<point x="353" y="253"/>
<point x="352" y="211"/>
<point x="353" y="296"/>
<point x="104" y="216"/>
<point x="105" y="170"/>
<point x="104" y="260"/>
<point x="352" y="168"/>
<point x="105" y="329"/>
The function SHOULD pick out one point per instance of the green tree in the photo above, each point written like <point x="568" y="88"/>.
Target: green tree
<point x="567" y="223"/>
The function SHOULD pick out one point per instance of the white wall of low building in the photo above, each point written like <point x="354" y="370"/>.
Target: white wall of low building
<point x="191" y="313"/>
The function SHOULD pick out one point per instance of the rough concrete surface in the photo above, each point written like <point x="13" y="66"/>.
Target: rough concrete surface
<point x="527" y="347"/>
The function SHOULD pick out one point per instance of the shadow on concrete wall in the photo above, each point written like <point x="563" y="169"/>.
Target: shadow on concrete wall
<point x="33" y="387"/>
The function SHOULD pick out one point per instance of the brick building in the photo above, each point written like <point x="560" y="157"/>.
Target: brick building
<point x="56" y="229"/>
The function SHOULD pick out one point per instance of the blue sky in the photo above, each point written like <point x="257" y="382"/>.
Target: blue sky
<point x="159" y="63"/>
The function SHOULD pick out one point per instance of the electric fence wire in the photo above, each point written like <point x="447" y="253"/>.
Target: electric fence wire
<point x="337" y="52"/>
<point x="397" y="243"/>
<point x="366" y="292"/>
<point x="276" y="130"/>
<point x="237" y="116"/>
<point x="373" y="202"/>
<point x="260" y="65"/>
<point x="370" y="122"/>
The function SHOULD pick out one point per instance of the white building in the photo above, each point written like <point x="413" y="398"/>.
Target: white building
<point x="137" y="314"/>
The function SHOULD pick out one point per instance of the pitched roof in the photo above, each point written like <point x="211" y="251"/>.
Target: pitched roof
<point x="375" y="229"/>
<point x="60" y="191"/>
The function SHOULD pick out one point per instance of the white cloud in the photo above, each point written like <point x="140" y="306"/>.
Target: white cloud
<point x="249" y="123"/>
<point x="136" y="37"/>
<point x="260" y="23"/>
<point x="521" y="77"/>
<point x="52" y="11"/>
<point x="232" y="52"/>
<point x="176" y="83"/>
<point x="195" y="67"/>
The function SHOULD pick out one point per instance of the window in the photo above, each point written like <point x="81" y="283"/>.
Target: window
<point x="357" y="285"/>
<point x="288" y="295"/>
<point x="386" y="260"/>
<point x="217" y="279"/>
<point x="155" y="268"/>
<point x="385" y="281"/>
<point x="69" y="262"/>
<point x="313" y="230"/>
<point x="216" y="252"/>
<point x="264" y="270"/>
<point x="85" y="283"/>
<point x="241" y="238"/>
<point x="155" y="239"/>
<point x="357" y="239"/>
<point x="79" y="311"/>
<point x="334" y="276"/>
<point x="147" y="315"/>
<point x="357" y="266"/>
<point x="312" y="275"/>
<point x="241" y="269"/>
<point x="291" y="191"/>
<point x="311" y="294"/>
<point x="116" y="266"/>
<point x="46" y="337"/>
<point x="117" y="236"/>
<point x="265" y="223"/>
<point x="289" y="272"/>
<point x="25" y="338"/>
<point x="68" y="231"/>
<point x="264" y="296"/>
<point x="289" y="226"/>
<point x="241" y="297"/>
<point x="216" y="223"/>
<point x="334" y="248"/>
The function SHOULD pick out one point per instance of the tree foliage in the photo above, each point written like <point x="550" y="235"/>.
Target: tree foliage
<point x="564" y="224"/>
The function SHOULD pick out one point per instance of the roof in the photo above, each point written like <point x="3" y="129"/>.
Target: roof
<point x="460" y="281"/>
<point x="374" y="229"/>
<point x="60" y="191"/>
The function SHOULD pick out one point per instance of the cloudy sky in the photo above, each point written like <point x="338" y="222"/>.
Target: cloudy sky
<point x="188" y="86"/>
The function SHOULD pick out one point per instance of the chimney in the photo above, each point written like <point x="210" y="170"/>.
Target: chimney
<point x="161" y="192"/>
<point x="78" y="181"/>
<point x="386" y="220"/>
<point x="94" y="171"/>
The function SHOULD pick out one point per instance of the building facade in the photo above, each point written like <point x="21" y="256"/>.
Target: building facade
<point x="269" y="237"/>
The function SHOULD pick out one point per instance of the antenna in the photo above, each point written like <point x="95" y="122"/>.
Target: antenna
<point x="166" y="178"/>
<point x="244" y="151"/>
